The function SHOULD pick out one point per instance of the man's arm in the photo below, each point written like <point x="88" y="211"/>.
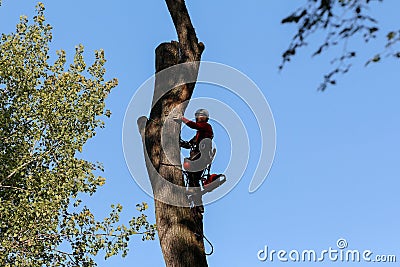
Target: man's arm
<point x="194" y="125"/>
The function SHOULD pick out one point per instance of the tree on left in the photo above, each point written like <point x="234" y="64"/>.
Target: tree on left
<point x="48" y="113"/>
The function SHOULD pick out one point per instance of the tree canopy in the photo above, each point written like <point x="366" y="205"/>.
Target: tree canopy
<point x="48" y="112"/>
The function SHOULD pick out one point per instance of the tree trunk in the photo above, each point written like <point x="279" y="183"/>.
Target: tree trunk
<point x="179" y="228"/>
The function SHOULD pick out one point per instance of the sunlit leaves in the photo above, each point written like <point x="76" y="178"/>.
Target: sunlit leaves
<point x="142" y="207"/>
<point x="48" y="112"/>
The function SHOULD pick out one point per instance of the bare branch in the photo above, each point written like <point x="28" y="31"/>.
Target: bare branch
<point x="191" y="49"/>
<point x="13" y="187"/>
<point x="341" y="21"/>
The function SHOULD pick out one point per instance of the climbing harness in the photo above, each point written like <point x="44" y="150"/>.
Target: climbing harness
<point x="208" y="182"/>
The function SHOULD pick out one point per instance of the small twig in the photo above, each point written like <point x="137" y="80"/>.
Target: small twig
<point x="13" y="187"/>
<point x="70" y="256"/>
<point x="30" y="161"/>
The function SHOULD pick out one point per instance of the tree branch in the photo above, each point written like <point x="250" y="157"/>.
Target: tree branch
<point x="341" y="21"/>
<point x="40" y="156"/>
<point x="13" y="187"/>
<point x="190" y="47"/>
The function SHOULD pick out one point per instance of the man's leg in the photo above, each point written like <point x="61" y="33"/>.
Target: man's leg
<point x="198" y="197"/>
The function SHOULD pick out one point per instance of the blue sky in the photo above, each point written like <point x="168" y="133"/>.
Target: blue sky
<point x="336" y="169"/>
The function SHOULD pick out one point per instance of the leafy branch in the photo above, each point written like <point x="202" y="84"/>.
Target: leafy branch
<point x="48" y="112"/>
<point x="341" y="21"/>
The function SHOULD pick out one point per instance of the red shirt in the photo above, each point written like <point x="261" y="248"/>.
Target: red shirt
<point x="204" y="129"/>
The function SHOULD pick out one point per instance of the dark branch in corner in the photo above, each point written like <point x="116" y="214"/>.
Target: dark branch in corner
<point x="341" y="21"/>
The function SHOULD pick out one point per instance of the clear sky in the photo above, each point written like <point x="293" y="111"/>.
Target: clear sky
<point x="336" y="169"/>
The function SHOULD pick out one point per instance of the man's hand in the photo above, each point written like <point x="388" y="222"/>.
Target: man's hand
<point x="184" y="144"/>
<point x="177" y="118"/>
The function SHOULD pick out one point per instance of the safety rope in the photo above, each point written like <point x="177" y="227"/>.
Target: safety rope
<point x="197" y="223"/>
<point x="212" y="247"/>
<point x="202" y="234"/>
<point x="173" y="165"/>
<point x="193" y="209"/>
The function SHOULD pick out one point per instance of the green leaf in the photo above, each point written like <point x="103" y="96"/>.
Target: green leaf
<point x="390" y="35"/>
<point x="377" y="58"/>
<point x="48" y="112"/>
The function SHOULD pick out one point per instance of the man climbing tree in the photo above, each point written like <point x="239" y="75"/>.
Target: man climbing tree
<point x="180" y="230"/>
<point x="200" y="151"/>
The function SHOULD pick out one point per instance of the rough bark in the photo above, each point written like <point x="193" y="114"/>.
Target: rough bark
<point x="179" y="228"/>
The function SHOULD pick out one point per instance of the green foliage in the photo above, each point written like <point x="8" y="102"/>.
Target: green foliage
<point x="48" y="113"/>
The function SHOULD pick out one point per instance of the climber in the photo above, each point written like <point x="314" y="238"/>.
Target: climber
<point x="200" y="147"/>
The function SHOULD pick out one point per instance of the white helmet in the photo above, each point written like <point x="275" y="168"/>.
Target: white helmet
<point x="202" y="112"/>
